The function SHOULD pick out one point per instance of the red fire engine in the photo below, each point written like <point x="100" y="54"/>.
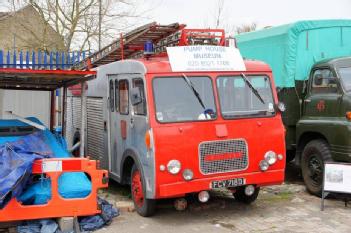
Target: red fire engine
<point x="184" y="121"/>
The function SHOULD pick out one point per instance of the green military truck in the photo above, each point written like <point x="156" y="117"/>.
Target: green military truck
<point x="311" y="63"/>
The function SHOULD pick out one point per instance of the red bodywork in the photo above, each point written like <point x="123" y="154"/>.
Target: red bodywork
<point x="181" y="140"/>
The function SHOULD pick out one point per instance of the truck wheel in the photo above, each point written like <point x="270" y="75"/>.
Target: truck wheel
<point x="144" y="207"/>
<point x="312" y="165"/>
<point x="242" y="197"/>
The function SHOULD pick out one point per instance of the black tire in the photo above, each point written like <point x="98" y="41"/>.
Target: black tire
<point x="242" y="197"/>
<point x="314" y="155"/>
<point x="146" y="207"/>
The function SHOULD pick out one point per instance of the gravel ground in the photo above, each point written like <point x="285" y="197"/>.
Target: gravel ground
<point x="283" y="208"/>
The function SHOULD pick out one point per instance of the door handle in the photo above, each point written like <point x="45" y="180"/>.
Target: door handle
<point x="307" y="100"/>
<point x="131" y="122"/>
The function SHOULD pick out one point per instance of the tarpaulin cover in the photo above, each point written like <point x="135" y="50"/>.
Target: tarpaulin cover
<point x="291" y="50"/>
<point x="17" y="154"/>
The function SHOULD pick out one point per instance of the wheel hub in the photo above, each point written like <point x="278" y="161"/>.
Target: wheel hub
<point x="137" y="189"/>
<point x="315" y="170"/>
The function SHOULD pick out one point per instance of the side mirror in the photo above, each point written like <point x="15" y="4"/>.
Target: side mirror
<point x="136" y="97"/>
<point x="281" y="106"/>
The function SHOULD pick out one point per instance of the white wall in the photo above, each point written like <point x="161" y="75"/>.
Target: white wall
<point x="26" y="103"/>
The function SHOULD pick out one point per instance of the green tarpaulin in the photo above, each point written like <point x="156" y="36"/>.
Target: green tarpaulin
<point x="292" y="49"/>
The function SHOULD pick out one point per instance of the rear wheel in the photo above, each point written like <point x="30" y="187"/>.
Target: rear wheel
<point x="145" y="207"/>
<point x="314" y="155"/>
<point x="240" y="195"/>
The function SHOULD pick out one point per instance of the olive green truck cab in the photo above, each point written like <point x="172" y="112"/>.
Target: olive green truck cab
<point x="311" y="63"/>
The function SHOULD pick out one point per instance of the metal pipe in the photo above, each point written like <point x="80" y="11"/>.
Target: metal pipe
<point x="74" y="147"/>
<point x="24" y="120"/>
<point x="83" y="119"/>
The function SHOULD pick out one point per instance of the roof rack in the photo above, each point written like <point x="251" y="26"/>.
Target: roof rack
<point x="130" y="44"/>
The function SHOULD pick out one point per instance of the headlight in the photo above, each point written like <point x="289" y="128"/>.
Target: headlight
<point x="188" y="174"/>
<point x="173" y="166"/>
<point x="270" y="157"/>
<point x="264" y="165"/>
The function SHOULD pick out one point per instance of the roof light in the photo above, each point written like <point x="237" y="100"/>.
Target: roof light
<point x="148" y="48"/>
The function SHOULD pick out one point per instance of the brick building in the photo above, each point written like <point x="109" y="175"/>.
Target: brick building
<point x="26" y="30"/>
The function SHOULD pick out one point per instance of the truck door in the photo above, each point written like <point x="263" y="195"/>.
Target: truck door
<point x="324" y="96"/>
<point x="118" y="118"/>
<point x="138" y="121"/>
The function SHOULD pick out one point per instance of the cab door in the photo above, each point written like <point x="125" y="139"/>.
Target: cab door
<point x="324" y="96"/>
<point x="119" y="116"/>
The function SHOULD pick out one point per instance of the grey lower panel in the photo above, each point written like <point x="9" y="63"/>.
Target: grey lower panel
<point x="73" y="119"/>
<point x="95" y="126"/>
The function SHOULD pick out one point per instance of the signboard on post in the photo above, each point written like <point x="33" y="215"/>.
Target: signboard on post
<point x="205" y="58"/>
<point x="337" y="179"/>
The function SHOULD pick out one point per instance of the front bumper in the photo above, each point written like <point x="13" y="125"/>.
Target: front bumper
<point x="258" y="178"/>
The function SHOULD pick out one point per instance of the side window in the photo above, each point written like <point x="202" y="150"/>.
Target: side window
<point x="116" y="96"/>
<point x="123" y="90"/>
<point x="324" y="82"/>
<point x="112" y="96"/>
<point x="140" y="108"/>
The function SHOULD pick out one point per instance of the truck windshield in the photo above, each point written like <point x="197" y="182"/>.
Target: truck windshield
<point x="345" y="75"/>
<point x="237" y="99"/>
<point x="176" y="100"/>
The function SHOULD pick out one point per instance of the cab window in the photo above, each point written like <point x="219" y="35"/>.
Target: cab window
<point x="116" y="96"/>
<point x="123" y="90"/>
<point x="112" y="94"/>
<point x="140" y="108"/>
<point x="324" y="82"/>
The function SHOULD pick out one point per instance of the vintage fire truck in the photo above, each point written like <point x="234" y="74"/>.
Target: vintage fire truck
<point x="183" y="121"/>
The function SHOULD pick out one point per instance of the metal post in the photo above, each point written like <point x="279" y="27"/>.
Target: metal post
<point x="52" y="110"/>
<point x="83" y="119"/>
<point x="63" y="111"/>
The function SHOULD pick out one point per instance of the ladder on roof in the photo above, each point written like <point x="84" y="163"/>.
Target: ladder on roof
<point x="129" y="45"/>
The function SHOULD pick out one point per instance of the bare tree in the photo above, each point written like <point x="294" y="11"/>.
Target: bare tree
<point x="219" y="13"/>
<point x="85" y="24"/>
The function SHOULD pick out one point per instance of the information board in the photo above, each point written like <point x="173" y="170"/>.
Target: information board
<point x="205" y="58"/>
<point x="337" y="178"/>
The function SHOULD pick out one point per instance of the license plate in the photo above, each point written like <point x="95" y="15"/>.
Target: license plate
<point x="228" y="183"/>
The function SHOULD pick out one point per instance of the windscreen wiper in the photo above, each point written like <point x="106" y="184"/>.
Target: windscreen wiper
<point x="191" y="85"/>
<point x="254" y="90"/>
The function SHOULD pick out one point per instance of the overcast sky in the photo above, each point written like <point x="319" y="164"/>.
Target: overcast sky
<point x="200" y="13"/>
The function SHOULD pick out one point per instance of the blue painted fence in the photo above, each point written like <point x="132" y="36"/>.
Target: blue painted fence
<point x="40" y="59"/>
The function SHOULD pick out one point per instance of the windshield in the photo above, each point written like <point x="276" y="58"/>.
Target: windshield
<point x="238" y="99"/>
<point x="345" y="75"/>
<point x="177" y="99"/>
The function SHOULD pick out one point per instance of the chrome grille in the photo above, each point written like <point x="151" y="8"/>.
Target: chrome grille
<point x="223" y="156"/>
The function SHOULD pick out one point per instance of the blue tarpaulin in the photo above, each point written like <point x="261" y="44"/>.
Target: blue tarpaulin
<point x="17" y="154"/>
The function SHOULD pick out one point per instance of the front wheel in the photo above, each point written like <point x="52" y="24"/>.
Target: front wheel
<point x="240" y="195"/>
<point x="314" y="155"/>
<point x="145" y="207"/>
